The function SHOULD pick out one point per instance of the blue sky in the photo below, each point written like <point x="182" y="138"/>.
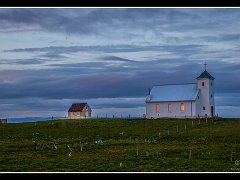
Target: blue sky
<point x="109" y="57"/>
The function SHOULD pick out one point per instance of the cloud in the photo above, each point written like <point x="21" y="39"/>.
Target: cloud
<point x="99" y="78"/>
<point x="98" y="48"/>
<point x="87" y="20"/>
<point x="22" y="61"/>
<point x="59" y="107"/>
<point x="111" y="56"/>
<point x="100" y="20"/>
<point x="115" y="58"/>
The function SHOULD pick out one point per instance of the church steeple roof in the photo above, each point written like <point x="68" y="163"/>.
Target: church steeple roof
<point x="205" y="74"/>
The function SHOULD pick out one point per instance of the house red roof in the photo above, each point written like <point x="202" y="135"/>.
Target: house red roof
<point x="77" y="107"/>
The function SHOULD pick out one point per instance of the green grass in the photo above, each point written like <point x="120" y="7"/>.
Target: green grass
<point x="128" y="145"/>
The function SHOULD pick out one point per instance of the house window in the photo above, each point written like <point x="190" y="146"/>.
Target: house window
<point x="169" y="107"/>
<point x="86" y="107"/>
<point x="182" y="107"/>
<point x="202" y="83"/>
<point x="157" y="107"/>
<point x="203" y="108"/>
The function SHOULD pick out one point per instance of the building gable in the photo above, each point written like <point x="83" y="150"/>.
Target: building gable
<point x="205" y="74"/>
<point x="77" y="107"/>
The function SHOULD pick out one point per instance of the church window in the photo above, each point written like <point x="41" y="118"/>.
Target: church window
<point x="182" y="107"/>
<point x="169" y="107"/>
<point x="202" y="83"/>
<point x="203" y="107"/>
<point x="157" y="107"/>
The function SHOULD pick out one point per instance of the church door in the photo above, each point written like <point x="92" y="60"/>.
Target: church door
<point x="212" y="111"/>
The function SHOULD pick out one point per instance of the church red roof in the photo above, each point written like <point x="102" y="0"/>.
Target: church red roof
<point x="77" y="107"/>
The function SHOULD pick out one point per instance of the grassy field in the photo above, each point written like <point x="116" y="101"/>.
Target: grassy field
<point x="121" y="145"/>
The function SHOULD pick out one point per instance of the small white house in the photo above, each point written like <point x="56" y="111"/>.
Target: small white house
<point x="182" y="100"/>
<point x="79" y="110"/>
<point x="3" y="121"/>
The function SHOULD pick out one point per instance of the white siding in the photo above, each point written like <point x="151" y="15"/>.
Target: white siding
<point x="189" y="109"/>
<point x="205" y="95"/>
<point x="212" y="101"/>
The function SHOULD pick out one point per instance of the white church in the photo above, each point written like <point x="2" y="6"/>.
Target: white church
<point x="182" y="100"/>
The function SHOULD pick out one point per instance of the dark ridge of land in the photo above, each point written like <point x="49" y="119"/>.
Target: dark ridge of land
<point x="121" y="145"/>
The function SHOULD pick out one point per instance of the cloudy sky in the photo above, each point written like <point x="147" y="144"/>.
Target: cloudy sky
<point x="109" y="57"/>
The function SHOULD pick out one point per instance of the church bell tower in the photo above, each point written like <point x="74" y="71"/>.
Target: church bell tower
<point x="206" y="95"/>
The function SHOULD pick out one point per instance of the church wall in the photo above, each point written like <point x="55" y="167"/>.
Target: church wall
<point x="198" y="104"/>
<point x="206" y="100"/>
<point x="176" y="112"/>
<point x="211" y="99"/>
<point x="204" y="95"/>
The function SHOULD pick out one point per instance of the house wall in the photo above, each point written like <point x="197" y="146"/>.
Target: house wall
<point x="74" y="115"/>
<point x="189" y="110"/>
<point x="86" y="113"/>
<point x="3" y="121"/>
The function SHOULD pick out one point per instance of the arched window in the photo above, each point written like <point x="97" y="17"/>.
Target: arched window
<point x="169" y="107"/>
<point x="182" y="107"/>
<point x="157" y="107"/>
